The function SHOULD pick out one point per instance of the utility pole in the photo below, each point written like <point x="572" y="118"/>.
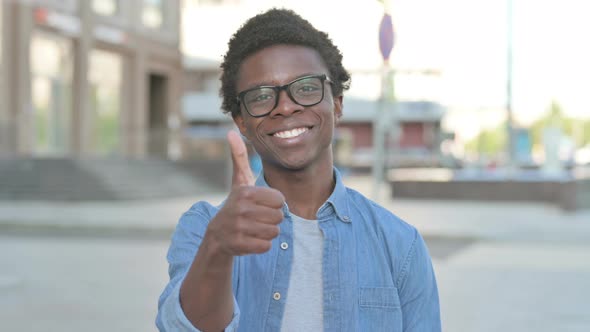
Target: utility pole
<point x="509" y="112"/>
<point x="383" y="117"/>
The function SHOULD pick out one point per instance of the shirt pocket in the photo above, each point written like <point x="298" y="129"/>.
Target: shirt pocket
<point x="379" y="309"/>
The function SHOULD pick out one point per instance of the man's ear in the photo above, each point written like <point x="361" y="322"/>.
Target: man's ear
<point x="337" y="108"/>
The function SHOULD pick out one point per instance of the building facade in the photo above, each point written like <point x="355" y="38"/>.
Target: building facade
<point x="93" y="78"/>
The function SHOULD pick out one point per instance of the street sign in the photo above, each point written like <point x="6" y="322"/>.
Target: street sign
<point x="386" y="36"/>
<point x="68" y="24"/>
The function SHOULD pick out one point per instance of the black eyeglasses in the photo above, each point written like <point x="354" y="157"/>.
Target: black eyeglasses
<point x="304" y="91"/>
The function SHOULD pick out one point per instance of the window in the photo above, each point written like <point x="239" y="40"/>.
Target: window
<point x="3" y="121"/>
<point x="1" y="35"/>
<point x="152" y="14"/>
<point x="217" y="2"/>
<point x="105" y="7"/>
<point x="105" y="76"/>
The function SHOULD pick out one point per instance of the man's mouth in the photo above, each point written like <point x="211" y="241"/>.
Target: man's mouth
<point x="291" y="133"/>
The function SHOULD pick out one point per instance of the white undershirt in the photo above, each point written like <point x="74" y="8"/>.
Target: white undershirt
<point x="304" y="304"/>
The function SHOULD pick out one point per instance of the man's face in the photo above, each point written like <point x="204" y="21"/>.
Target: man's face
<point x="292" y="136"/>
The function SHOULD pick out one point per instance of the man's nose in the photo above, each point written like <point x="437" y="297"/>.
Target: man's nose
<point x="285" y="105"/>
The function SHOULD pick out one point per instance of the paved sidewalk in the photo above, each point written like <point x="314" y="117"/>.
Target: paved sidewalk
<point x="456" y="219"/>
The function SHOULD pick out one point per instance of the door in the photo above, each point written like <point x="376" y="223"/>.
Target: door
<point x="158" y="115"/>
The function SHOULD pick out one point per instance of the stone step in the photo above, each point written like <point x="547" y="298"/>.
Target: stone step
<point x="107" y="179"/>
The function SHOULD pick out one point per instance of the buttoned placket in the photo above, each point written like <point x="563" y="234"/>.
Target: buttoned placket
<point x="331" y="271"/>
<point x="282" y="273"/>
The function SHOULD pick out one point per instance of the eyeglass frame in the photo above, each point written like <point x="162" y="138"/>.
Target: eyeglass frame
<point x="278" y="88"/>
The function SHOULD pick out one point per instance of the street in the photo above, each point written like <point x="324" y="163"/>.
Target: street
<point x="516" y="287"/>
<point x="73" y="284"/>
<point x="96" y="283"/>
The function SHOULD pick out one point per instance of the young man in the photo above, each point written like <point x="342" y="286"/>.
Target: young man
<point x="294" y="250"/>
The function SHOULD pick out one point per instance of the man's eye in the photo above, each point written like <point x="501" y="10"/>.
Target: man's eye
<point x="307" y="88"/>
<point x="259" y="97"/>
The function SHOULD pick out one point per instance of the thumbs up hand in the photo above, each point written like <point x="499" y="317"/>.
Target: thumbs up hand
<point x="242" y="173"/>
<point x="249" y="219"/>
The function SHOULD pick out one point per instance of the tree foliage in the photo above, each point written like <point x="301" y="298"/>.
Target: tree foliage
<point x="494" y="141"/>
<point x="577" y="129"/>
<point x="489" y="142"/>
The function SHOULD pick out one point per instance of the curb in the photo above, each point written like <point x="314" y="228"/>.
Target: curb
<point x="68" y="230"/>
<point x="30" y="228"/>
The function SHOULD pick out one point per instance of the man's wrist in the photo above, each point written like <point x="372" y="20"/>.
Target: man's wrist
<point x="213" y="254"/>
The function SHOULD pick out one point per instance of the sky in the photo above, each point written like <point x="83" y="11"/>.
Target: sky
<point x="465" y="41"/>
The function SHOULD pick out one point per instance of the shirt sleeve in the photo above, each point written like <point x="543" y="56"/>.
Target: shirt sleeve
<point x="171" y="317"/>
<point x="418" y="290"/>
<point x="184" y="245"/>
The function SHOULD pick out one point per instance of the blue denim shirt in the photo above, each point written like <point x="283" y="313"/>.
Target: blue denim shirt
<point x="377" y="273"/>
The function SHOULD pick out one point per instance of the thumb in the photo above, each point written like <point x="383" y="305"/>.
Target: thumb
<point x="242" y="173"/>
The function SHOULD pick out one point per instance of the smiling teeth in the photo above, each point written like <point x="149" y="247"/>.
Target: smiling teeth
<point x="290" y="133"/>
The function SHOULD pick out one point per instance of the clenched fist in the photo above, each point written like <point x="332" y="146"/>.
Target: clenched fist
<point x="249" y="219"/>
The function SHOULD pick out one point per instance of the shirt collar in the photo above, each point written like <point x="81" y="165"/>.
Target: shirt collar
<point x="337" y="202"/>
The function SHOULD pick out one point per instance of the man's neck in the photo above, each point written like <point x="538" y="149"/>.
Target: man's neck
<point x="305" y="190"/>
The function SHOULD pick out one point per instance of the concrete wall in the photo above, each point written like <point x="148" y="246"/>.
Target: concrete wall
<point x="569" y="195"/>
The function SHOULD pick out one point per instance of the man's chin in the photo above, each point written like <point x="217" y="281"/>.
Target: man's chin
<point x="292" y="165"/>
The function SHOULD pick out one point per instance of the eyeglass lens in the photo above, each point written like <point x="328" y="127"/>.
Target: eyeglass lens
<point x="306" y="91"/>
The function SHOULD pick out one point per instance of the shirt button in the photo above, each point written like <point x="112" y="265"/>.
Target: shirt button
<point x="284" y="245"/>
<point x="346" y="218"/>
<point x="276" y="296"/>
